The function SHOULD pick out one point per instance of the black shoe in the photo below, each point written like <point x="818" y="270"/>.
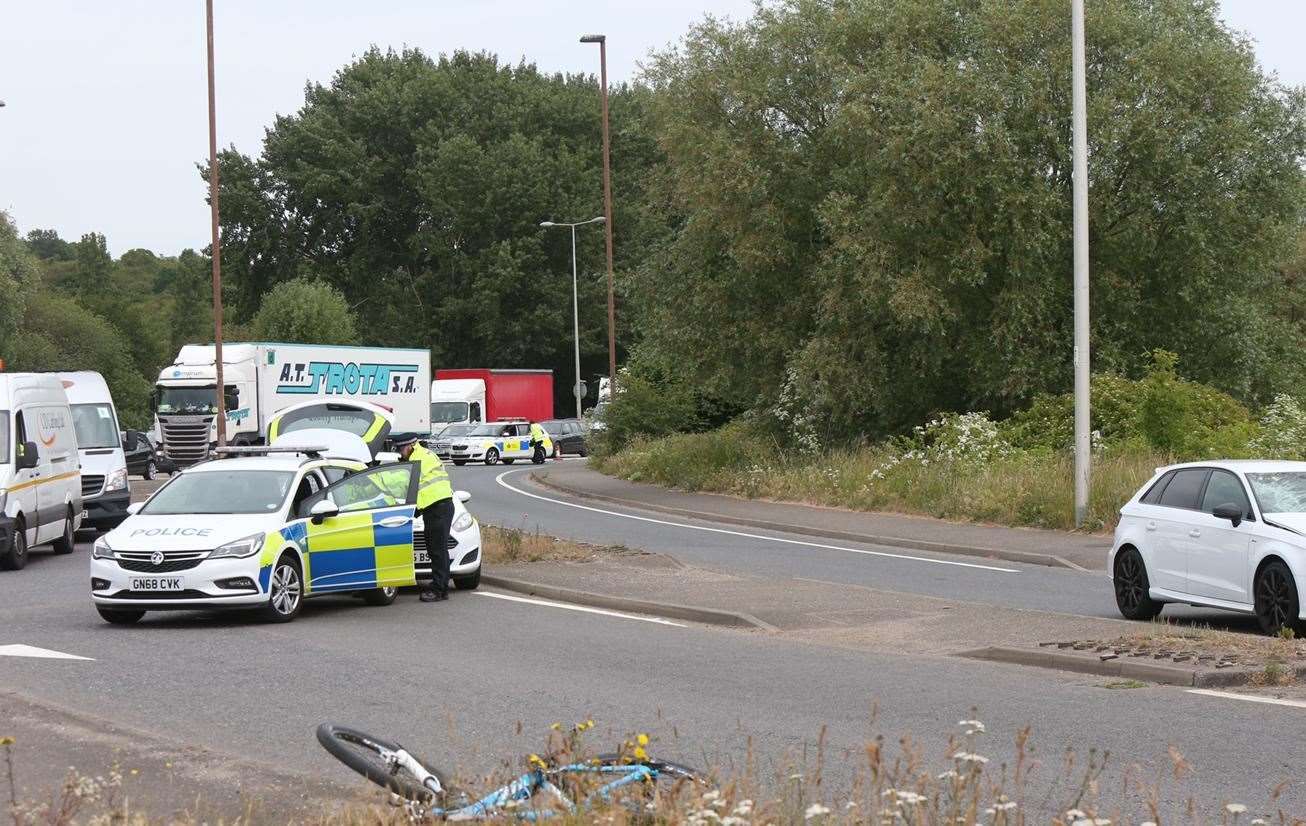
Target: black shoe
<point x="429" y="596"/>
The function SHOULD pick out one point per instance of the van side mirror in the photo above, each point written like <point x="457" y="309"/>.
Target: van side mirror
<point x="27" y="457"/>
<point x="1234" y="513"/>
<point x="321" y="510"/>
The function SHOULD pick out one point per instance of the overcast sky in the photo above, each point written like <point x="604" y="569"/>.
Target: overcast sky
<point x="106" y="109"/>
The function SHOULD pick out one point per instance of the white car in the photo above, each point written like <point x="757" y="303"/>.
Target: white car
<point x="1228" y="534"/>
<point x="268" y="529"/>
<point x="496" y="442"/>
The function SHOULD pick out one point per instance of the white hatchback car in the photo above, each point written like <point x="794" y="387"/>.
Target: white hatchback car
<point x="1228" y="534"/>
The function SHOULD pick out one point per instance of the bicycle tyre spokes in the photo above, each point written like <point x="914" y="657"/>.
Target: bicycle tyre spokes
<point x="383" y="762"/>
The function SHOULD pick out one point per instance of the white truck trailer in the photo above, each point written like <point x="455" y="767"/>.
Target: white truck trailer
<point x="262" y="378"/>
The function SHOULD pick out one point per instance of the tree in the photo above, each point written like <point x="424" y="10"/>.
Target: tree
<point x="91" y="273"/>
<point x="192" y="299"/>
<point x="305" y="312"/>
<point x="416" y="187"/>
<point x="46" y="244"/>
<point x="872" y="203"/>
<point x="17" y="278"/>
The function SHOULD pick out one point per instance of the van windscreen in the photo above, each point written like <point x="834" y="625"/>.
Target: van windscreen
<point x="4" y="437"/>
<point x="95" y="426"/>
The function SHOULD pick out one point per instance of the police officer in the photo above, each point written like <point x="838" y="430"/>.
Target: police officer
<point x="435" y="506"/>
<point x="537" y="442"/>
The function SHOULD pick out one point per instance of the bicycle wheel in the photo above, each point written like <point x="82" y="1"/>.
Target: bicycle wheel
<point x="363" y="753"/>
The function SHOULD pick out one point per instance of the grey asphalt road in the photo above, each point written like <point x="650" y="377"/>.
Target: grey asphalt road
<point x="506" y="497"/>
<point x="477" y="680"/>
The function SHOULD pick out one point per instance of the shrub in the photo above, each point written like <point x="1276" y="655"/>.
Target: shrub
<point x="646" y="408"/>
<point x="1283" y="430"/>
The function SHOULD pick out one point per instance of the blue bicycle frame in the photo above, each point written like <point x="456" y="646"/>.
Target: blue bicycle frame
<point x="528" y="785"/>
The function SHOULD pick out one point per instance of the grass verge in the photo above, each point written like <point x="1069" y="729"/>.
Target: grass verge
<point x="508" y="545"/>
<point x="891" y="782"/>
<point x="1032" y="489"/>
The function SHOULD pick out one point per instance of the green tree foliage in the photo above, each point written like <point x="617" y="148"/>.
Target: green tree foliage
<point x="92" y="264"/>
<point x="60" y="334"/>
<point x="46" y="244"/>
<point x="872" y="204"/>
<point x="416" y="187"/>
<point x="17" y="277"/>
<point x="188" y="283"/>
<point x="305" y="312"/>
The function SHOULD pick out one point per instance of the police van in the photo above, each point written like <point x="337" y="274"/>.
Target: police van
<point x="40" y="471"/>
<point x="266" y="527"/>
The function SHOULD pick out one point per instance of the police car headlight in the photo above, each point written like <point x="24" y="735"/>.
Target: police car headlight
<point x="463" y="522"/>
<point x="241" y="548"/>
<point x="117" y="480"/>
<point x="101" y="549"/>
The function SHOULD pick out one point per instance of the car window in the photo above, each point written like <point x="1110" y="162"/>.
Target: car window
<point x="308" y="486"/>
<point x="383" y="487"/>
<point x="1153" y="495"/>
<point x="1184" y="488"/>
<point x="1282" y="492"/>
<point x="4" y="437"/>
<point x="335" y="474"/>
<point x="1225" y="489"/>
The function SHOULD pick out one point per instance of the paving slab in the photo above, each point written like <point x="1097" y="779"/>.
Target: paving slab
<point x="1030" y="545"/>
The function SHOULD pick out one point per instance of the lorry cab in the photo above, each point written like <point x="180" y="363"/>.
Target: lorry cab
<point x="105" y="495"/>
<point x="40" y="470"/>
<point x="457" y="401"/>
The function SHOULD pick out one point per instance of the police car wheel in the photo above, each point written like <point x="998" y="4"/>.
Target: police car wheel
<point x="286" y="591"/>
<point x="117" y="616"/>
<point x="492" y="457"/>
<point x="380" y="596"/>
<point x="460" y="462"/>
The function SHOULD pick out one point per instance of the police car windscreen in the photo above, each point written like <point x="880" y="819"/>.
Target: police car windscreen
<point x="95" y="426"/>
<point x="489" y="430"/>
<point x="222" y="491"/>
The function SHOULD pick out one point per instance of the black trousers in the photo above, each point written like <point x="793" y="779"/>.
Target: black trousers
<point x="436" y="520"/>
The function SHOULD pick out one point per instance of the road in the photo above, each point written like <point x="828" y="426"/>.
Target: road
<point x="475" y="680"/>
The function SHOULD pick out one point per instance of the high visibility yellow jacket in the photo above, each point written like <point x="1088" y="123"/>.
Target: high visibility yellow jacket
<point x="434" y="483"/>
<point x="538" y="434"/>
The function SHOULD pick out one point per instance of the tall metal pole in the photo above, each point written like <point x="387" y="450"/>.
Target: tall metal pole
<point x="602" y="40"/>
<point x="220" y="387"/>
<point x="575" y="318"/>
<point x="1083" y="447"/>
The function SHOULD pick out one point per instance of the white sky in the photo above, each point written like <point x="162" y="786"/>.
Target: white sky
<point x="106" y="110"/>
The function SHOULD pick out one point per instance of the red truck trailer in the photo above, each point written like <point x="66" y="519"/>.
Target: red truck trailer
<point x="502" y="394"/>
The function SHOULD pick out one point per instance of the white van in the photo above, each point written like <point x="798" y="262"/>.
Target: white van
<point x="40" y="471"/>
<point x="105" y="496"/>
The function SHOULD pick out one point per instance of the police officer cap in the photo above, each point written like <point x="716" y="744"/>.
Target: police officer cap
<point x="403" y="439"/>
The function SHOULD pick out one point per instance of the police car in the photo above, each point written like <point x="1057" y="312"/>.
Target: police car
<point x="496" y="442"/>
<point x="265" y="528"/>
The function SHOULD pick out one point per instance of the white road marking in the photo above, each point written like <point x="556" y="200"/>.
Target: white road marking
<point x="823" y="546"/>
<point x="583" y="609"/>
<point x="1250" y="698"/>
<point x="43" y="653"/>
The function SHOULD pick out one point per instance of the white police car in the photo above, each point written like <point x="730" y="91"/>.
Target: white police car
<point x="269" y="527"/>
<point x="496" y="442"/>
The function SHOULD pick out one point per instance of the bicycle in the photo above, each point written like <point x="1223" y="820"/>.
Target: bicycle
<point x="391" y="766"/>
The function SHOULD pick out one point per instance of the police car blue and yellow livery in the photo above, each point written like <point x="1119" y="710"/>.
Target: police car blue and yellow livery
<point x="267" y="531"/>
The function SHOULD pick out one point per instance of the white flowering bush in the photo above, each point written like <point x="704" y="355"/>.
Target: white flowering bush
<point x="797" y="415"/>
<point x="958" y="438"/>
<point x="1283" y="430"/>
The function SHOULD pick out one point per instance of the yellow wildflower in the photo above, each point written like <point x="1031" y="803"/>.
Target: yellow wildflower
<point x="640" y="754"/>
<point x="642" y="739"/>
<point x="536" y="760"/>
<point x="6" y="741"/>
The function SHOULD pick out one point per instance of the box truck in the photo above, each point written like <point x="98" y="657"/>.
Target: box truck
<point x="479" y="395"/>
<point x="262" y="378"/>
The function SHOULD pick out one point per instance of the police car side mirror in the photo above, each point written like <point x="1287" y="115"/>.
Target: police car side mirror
<point x="321" y="510"/>
<point x="26" y="458"/>
<point x="462" y="496"/>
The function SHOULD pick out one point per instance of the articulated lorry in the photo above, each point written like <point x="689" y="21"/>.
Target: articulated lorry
<point x="262" y="378"/>
<point x="479" y="395"/>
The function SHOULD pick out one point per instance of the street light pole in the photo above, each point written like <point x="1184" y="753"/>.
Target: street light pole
<point x="1083" y="446"/>
<point x="575" y="300"/>
<point x="220" y="388"/>
<point x="602" y="40"/>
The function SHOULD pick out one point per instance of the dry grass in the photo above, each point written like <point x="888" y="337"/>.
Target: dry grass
<point x="1279" y="658"/>
<point x="508" y="545"/>
<point x="1026" y="489"/>
<point x="893" y="782"/>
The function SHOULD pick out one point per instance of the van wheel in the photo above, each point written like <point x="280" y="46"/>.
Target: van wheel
<point x="66" y="543"/>
<point x="119" y="617"/>
<point x="380" y="596"/>
<point x="16" y="558"/>
<point x="286" y="587"/>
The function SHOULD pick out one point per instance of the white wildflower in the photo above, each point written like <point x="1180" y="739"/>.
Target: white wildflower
<point x="743" y="807"/>
<point x="970" y="757"/>
<point x="972" y="726"/>
<point x="815" y="810"/>
<point x="1235" y="808"/>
